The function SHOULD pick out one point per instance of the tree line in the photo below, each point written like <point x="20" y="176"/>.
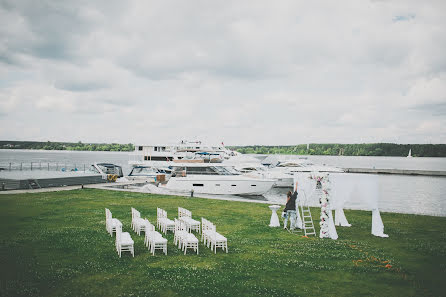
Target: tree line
<point x="362" y="149"/>
<point x="68" y="146"/>
<point x="333" y="149"/>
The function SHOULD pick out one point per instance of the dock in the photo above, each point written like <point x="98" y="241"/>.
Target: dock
<point x="396" y="171"/>
<point x="23" y="180"/>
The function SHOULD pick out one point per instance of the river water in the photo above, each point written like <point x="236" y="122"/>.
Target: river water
<point x="397" y="193"/>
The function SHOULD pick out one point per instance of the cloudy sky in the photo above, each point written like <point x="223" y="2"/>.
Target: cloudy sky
<point x="242" y="72"/>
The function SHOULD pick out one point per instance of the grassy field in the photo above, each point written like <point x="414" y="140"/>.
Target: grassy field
<point x="55" y="244"/>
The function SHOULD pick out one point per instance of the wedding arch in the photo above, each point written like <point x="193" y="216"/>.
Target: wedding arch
<point x="332" y="191"/>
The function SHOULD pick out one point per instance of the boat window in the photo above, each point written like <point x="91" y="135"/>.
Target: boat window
<point x="160" y="158"/>
<point x="201" y="170"/>
<point x="198" y="185"/>
<point x="233" y="171"/>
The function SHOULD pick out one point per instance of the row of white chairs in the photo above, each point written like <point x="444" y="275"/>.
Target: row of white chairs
<point x="186" y="216"/>
<point x="153" y="239"/>
<point x="163" y="223"/>
<point x="183" y="238"/>
<point x="138" y="223"/>
<point x="124" y="241"/>
<point x="110" y="223"/>
<point x="211" y="238"/>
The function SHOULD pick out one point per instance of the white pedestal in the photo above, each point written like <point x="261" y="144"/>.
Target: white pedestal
<point x="274" y="222"/>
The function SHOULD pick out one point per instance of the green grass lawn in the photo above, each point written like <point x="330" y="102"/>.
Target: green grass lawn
<point x="55" y="244"/>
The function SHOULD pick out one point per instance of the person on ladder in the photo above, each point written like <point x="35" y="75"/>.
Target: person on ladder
<point x="290" y="209"/>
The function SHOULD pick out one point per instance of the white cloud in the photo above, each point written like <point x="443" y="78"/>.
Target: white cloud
<point x="245" y="73"/>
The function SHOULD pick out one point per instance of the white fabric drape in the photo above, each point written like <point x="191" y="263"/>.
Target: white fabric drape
<point x="298" y="218"/>
<point x="305" y="188"/>
<point x="340" y="219"/>
<point x="377" y="224"/>
<point x="331" y="226"/>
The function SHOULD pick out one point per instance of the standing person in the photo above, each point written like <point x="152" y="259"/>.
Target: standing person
<point x="290" y="209"/>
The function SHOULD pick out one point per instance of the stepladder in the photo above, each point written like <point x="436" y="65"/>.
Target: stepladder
<point x="307" y="221"/>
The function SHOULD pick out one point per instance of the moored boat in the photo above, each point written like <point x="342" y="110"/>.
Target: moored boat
<point x="216" y="179"/>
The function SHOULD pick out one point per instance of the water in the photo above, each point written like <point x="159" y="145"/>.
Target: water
<point x="398" y="193"/>
<point x="63" y="158"/>
<point x="437" y="164"/>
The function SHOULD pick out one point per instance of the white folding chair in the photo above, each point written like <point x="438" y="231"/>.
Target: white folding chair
<point x="190" y="242"/>
<point x="156" y="242"/>
<point x="110" y="223"/>
<point x="205" y="231"/>
<point x="217" y="240"/>
<point x="186" y="216"/>
<point x="180" y="233"/>
<point x="137" y="222"/>
<point x="124" y="242"/>
<point x="165" y="223"/>
<point x="159" y="216"/>
<point x="147" y="228"/>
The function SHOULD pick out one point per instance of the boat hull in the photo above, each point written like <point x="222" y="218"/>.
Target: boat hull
<point x="284" y="182"/>
<point x="220" y="185"/>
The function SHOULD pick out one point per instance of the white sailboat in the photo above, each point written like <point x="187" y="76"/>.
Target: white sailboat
<point x="410" y="153"/>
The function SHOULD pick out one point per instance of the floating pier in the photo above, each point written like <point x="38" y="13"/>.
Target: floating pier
<point x="34" y="180"/>
<point x="396" y="171"/>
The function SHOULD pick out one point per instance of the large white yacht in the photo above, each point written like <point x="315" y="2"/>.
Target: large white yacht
<point x="303" y="165"/>
<point x="250" y="166"/>
<point x="184" y="150"/>
<point x="283" y="170"/>
<point x="208" y="178"/>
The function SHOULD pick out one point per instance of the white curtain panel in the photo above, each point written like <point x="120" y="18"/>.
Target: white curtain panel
<point x="377" y="224"/>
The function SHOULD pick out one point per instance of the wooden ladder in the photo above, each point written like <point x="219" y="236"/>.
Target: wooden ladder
<point x="307" y="221"/>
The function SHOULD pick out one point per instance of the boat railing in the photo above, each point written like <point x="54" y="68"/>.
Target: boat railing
<point x="44" y="166"/>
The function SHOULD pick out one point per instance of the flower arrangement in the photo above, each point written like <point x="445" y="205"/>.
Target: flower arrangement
<point x="322" y="183"/>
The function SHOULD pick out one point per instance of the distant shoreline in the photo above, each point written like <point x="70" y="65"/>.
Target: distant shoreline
<point x="318" y="149"/>
<point x="66" y="146"/>
<point x="360" y="149"/>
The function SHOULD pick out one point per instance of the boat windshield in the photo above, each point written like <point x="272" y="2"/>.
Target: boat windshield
<point x="226" y="170"/>
<point x="142" y="171"/>
<point x="205" y="170"/>
<point x="93" y="169"/>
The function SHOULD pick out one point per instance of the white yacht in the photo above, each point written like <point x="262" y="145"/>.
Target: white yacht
<point x="184" y="150"/>
<point x="218" y="179"/>
<point x="252" y="167"/>
<point x="259" y="171"/>
<point x="303" y="165"/>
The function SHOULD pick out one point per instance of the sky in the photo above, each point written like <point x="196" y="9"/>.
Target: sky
<point x="238" y="72"/>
